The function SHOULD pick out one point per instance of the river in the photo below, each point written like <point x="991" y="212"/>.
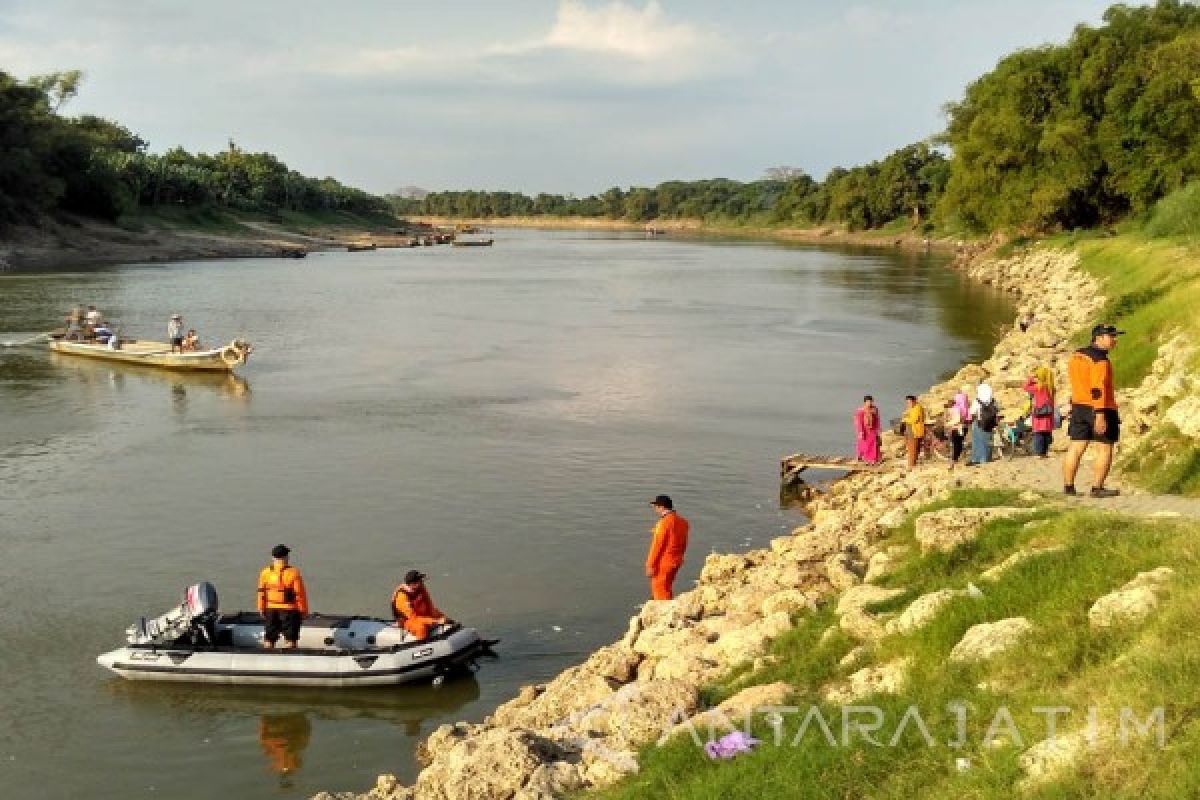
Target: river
<point x="498" y="417"/>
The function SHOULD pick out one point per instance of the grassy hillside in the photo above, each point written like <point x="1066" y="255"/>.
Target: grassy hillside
<point x="1063" y="662"/>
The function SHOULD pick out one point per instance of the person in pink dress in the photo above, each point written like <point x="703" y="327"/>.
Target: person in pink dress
<point x="1040" y="387"/>
<point x="867" y="428"/>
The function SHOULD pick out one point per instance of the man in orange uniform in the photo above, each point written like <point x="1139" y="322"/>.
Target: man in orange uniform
<point x="666" y="548"/>
<point x="1094" y="418"/>
<point x="413" y="608"/>
<point x="281" y="599"/>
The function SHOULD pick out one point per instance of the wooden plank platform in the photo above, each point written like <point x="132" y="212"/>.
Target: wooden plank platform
<point x="791" y="467"/>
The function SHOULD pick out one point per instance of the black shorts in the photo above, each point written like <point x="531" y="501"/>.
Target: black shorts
<point x="176" y="342"/>
<point x="285" y="622"/>
<point x="1082" y="425"/>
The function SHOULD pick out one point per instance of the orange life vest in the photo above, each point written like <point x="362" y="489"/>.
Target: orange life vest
<point x="418" y="603"/>
<point x="281" y="590"/>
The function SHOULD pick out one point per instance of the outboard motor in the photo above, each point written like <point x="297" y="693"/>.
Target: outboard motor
<point x="193" y="620"/>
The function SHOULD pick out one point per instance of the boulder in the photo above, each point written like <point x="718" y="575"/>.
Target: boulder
<point x="1052" y="758"/>
<point x="614" y="662"/>
<point x="843" y="570"/>
<point x="950" y="528"/>
<point x="867" y="594"/>
<point x="750" y="641"/>
<point x="789" y="601"/>
<point x="718" y="568"/>
<point x="603" y="766"/>
<point x="889" y="678"/>
<point x="861" y="625"/>
<point x="1133" y="602"/>
<point x="445" y="737"/>
<point x="884" y="563"/>
<point x="996" y="572"/>
<point x="641" y="712"/>
<point x="493" y="765"/>
<point x="572" y="690"/>
<point x="922" y="611"/>
<point x="550" y="781"/>
<point x="1185" y="415"/>
<point x="990" y="639"/>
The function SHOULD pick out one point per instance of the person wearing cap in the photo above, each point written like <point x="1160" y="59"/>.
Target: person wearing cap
<point x="175" y="333"/>
<point x="281" y="599"/>
<point x="666" y="548"/>
<point x="413" y="608"/>
<point x="1094" y="419"/>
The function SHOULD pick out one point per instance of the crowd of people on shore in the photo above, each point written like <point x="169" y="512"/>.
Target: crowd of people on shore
<point x="974" y="421"/>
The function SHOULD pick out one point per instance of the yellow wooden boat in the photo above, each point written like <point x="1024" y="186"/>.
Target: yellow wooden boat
<point x="158" y="354"/>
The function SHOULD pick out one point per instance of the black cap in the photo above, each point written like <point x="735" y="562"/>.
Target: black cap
<point x="1106" y="330"/>
<point x="412" y="576"/>
<point x="664" y="501"/>
<point x="280" y="551"/>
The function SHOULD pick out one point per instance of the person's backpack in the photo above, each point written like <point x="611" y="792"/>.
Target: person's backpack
<point x="989" y="415"/>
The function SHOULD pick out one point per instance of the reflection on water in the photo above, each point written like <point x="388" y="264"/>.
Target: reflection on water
<point x="284" y="738"/>
<point x="285" y="717"/>
<point x="91" y="372"/>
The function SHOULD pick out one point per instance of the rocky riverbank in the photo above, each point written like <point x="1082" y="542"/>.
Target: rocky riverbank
<point x="584" y="728"/>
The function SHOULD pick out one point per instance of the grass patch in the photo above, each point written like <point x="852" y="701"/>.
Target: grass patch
<point x="1153" y="290"/>
<point x="1156" y="663"/>
<point x="1167" y="462"/>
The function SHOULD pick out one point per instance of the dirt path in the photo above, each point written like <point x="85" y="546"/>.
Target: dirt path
<point x="1045" y="475"/>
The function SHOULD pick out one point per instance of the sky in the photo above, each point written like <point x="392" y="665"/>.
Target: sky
<point x="564" y="96"/>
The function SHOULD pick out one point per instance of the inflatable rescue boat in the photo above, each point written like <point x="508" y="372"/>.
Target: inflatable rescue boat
<point x="194" y="643"/>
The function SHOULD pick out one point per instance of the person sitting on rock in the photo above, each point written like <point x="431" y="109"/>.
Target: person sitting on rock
<point x="413" y="608"/>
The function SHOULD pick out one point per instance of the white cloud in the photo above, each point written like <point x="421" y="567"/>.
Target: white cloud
<point x="621" y="30"/>
<point x="609" y="43"/>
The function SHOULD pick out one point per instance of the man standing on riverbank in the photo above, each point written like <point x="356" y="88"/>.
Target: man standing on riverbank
<point x="666" y="548"/>
<point x="1094" y="418"/>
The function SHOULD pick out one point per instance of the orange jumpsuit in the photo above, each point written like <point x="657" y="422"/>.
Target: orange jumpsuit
<point x="415" y="611"/>
<point x="666" y="554"/>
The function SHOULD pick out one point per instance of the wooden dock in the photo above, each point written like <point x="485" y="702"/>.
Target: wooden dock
<point x="791" y="468"/>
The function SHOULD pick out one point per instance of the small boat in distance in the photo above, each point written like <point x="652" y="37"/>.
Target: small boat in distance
<point x="358" y="247"/>
<point x="472" y="242"/>
<point x="158" y="354"/>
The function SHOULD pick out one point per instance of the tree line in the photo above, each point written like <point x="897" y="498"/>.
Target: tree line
<point x="96" y="167"/>
<point x="1058" y="137"/>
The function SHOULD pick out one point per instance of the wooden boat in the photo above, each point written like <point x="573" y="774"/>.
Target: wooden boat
<point x="358" y="247"/>
<point x="158" y="354"/>
<point x="472" y="242"/>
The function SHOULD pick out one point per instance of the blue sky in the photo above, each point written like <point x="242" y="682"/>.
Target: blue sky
<point x="530" y="95"/>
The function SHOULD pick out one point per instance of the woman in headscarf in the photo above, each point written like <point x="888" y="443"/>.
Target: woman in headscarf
<point x="958" y="419"/>
<point x="1040" y="387"/>
<point x="984" y="417"/>
<point x="867" y="427"/>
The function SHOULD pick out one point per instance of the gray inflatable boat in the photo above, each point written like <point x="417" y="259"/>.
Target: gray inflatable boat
<point x="193" y="643"/>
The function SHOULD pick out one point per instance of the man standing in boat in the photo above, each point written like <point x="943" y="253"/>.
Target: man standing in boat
<point x="175" y="333"/>
<point x="281" y="599"/>
<point x="666" y="548"/>
<point x="413" y="608"/>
